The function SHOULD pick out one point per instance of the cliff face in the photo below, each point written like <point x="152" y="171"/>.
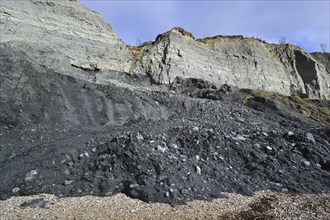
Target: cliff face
<point x="323" y="58"/>
<point x="43" y="40"/>
<point x="62" y="33"/>
<point x="234" y="60"/>
<point x="56" y="61"/>
<point x="32" y="93"/>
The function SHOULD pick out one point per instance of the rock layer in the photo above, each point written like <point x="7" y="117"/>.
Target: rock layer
<point x="233" y="60"/>
<point x="52" y="55"/>
<point x="62" y="33"/>
<point x="32" y="93"/>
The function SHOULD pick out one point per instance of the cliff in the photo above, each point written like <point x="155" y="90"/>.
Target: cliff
<point x="234" y="60"/>
<point x="61" y="34"/>
<point x="50" y="53"/>
<point x="64" y="35"/>
<point x="323" y="58"/>
<point x="45" y="42"/>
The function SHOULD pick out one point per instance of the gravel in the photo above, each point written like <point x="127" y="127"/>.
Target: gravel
<point x="263" y="205"/>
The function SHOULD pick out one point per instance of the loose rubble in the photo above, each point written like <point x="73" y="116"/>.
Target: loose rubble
<point x="208" y="147"/>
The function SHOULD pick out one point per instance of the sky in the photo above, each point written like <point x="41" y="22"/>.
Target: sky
<point x="305" y="23"/>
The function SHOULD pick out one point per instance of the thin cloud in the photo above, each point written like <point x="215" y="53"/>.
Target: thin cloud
<point x="302" y="22"/>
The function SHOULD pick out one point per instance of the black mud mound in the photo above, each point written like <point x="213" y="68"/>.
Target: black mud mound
<point x="191" y="140"/>
<point x="188" y="163"/>
<point x="171" y="161"/>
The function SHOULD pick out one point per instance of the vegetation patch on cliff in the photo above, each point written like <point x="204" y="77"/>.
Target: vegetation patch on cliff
<point x="137" y="51"/>
<point x="180" y="30"/>
<point x="309" y="109"/>
<point x="221" y="38"/>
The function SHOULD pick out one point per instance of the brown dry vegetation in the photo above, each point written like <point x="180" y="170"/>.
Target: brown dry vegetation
<point x="307" y="108"/>
<point x="137" y="51"/>
<point x="220" y="38"/>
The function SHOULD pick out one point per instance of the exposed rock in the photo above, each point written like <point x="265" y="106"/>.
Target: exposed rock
<point x="234" y="60"/>
<point x="310" y="137"/>
<point x="161" y="149"/>
<point x="239" y="138"/>
<point x="306" y="163"/>
<point x="16" y="190"/>
<point x="31" y="175"/>
<point x="198" y="170"/>
<point x="323" y="58"/>
<point x="68" y="182"/>
<point x="139" y="137"/>
<point x="269" y="148"/>
<point x="33" y="93"/>
<point x="62" y="33"/>
<point x="35" y="203"/>
<point x="133" y="185"/>
<point x="86" y="42"/>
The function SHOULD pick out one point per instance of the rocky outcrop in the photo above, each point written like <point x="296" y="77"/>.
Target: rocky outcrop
<point x="62" y="63"/>
<point x="32" y="94"/>
<point x="65" y="36"/>
<point x="323" y="58"/>
<point x="56" y="59"/>
<point x="234" y="60"/>
<point x="61" y="34"/>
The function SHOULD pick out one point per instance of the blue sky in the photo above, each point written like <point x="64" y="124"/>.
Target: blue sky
<point x="303" y="23"/>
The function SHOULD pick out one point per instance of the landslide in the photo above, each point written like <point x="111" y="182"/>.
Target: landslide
<point x="74" y="136"/>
